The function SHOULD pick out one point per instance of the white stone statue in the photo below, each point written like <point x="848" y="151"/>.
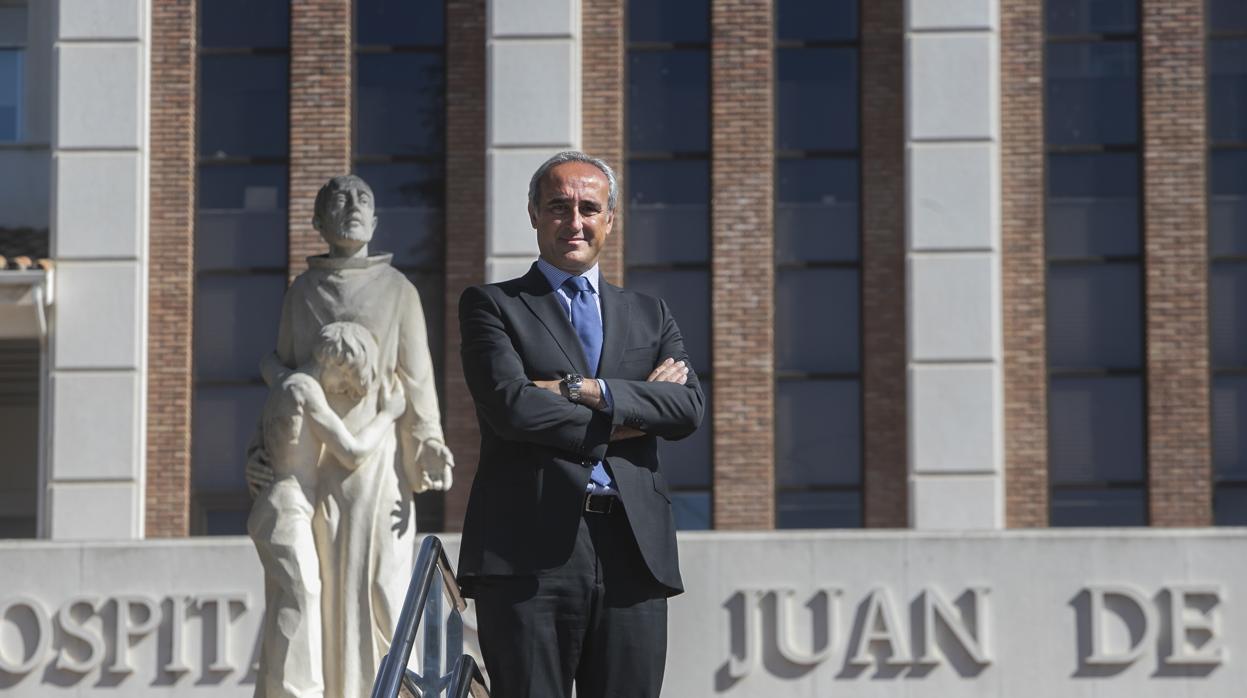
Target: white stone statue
<point x="352" y="340"/>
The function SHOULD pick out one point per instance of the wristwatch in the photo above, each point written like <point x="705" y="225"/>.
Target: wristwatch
<point x="571" y="386"/>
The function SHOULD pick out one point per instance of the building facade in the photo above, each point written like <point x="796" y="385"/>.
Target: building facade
<point x="942" y="265"/>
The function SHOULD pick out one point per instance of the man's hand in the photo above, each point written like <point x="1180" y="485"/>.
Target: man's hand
<point x="669" y="371"/>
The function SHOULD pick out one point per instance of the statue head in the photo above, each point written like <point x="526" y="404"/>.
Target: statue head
<point x="346" y="355"/>
<point x="345" y="215"/>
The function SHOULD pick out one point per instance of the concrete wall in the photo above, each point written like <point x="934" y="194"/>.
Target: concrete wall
<point x="99" y="239"/>
<point x="956" y="460"/>
<point x="532" y="111"/>
<point x="1074" y="614"/>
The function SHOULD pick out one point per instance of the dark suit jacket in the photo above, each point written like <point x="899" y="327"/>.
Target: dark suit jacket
<point x="537" y="448"/>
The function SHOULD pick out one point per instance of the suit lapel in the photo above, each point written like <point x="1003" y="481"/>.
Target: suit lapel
<point x="616" y="316"/>
<point x="545" y="304"/>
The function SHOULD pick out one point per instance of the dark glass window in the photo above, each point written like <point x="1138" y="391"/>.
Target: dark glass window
<point x="1093" y="205"/>
<point x="667" y="91"/>
<point x="399" y="103"/>
<point x="1084" y="17"/>
<point x="244" y="105"/>
<point x="818" y="416"/>
<point x="816" y="320"/>
<point x="400" y="23"/>
<point x="1227" y="215"/>
<point x="814" y="20"/>
<point x="667" y="208"/>
<point x="1095" y="317"/>
<point x="1097" y="462"/>
<point x="816" y="210"/>
<point x="1227" y="16"/>
<point x="245" y="24"/>
<point x="11" y="93"/>
<point x="668" y="212"/>
<point x="1093" y="93"/>
<point x="1227" y="250"/>
<point x="664" y="21"/>
<point x="1227" y="93"/>
<point x="240" y="243"/>
<point x="399" y="148"/>
<point x="817" y="92"/>
<point x="241" y="217"/>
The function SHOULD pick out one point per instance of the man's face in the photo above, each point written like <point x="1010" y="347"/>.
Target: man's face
<point x="349" y="215"/>
<point x="571" y="218"/>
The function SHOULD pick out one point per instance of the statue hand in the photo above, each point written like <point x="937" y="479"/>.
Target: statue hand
<point x="259" y="474"/>
<point x="393" y="399"/>
<point x="436" y="467"/>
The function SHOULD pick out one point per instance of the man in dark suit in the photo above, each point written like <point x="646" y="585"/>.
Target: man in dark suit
<point x="568" y="543"/>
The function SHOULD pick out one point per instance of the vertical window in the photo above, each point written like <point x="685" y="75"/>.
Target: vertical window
<point x="818" y="366"/>
<point x="12" y="71"/>
<point x="240" y="242"/>
<point x="1227" y="247"/>
<point x="1097" y="393"/>
<point x="399" y="148"/>
<point x="667" y="248"/>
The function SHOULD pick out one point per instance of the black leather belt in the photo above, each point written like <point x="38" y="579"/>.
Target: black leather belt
<point x="601" y="503"/>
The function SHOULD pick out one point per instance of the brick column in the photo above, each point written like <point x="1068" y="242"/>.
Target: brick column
<point x="171" y="275"/>
<point x="1176" y="263"/>
<point x="743" y="275"/>
<point x="465" y="221"/>
<point x="1023" y="269"/>
<point x="320" y="114"/>
<point x="602" y="106"/>
<point x="883" y="265"/>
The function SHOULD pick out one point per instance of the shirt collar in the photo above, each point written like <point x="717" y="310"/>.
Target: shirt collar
<point x="557" y="276"/>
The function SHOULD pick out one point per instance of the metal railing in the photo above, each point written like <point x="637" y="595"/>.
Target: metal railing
<point x="461" y="677"/>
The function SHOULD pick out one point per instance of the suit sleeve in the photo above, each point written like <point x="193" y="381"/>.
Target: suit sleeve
<point x="507" y="400"/>
<point x="669" y="410"/>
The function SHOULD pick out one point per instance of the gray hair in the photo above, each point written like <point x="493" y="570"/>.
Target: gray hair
<point x="534" y="184"/>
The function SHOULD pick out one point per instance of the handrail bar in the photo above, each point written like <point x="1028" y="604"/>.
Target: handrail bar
<point x="432" y="558"/>
<point x="467" y="680"/>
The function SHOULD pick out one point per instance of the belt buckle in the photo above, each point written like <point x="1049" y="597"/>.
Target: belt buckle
<point x="603" y="505"/>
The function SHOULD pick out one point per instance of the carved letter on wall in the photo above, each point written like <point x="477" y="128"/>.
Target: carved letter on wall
<point x="974" y="641"/>
<point x="1098" y="596"/>
<point x="79" y="631"/>
<point x="28" y="657"/>
<point x="221" y="661"/>
<point x="783" y="626"/>
<point x="126" y="628"/>
<point x="1182" y="627"/>
<point x="880" y="625"/>
<point x="177" y="635"/>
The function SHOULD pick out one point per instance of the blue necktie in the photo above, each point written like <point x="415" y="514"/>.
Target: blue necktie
<point x="585" y="320"/>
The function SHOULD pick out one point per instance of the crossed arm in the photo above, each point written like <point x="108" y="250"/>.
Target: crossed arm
<point x="667" y="371"/>
<point x="519" y="408"/>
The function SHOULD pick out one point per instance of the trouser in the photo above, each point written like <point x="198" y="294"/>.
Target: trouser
<point x="600" y="620"/>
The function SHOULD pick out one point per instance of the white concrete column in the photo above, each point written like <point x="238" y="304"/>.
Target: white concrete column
<point x="955" y="356"/>
<point x="533" y="111"/>
<point x="99" y="241"/>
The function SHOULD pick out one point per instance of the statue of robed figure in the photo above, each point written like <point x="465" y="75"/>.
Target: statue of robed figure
<point x="350" y="430"/>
